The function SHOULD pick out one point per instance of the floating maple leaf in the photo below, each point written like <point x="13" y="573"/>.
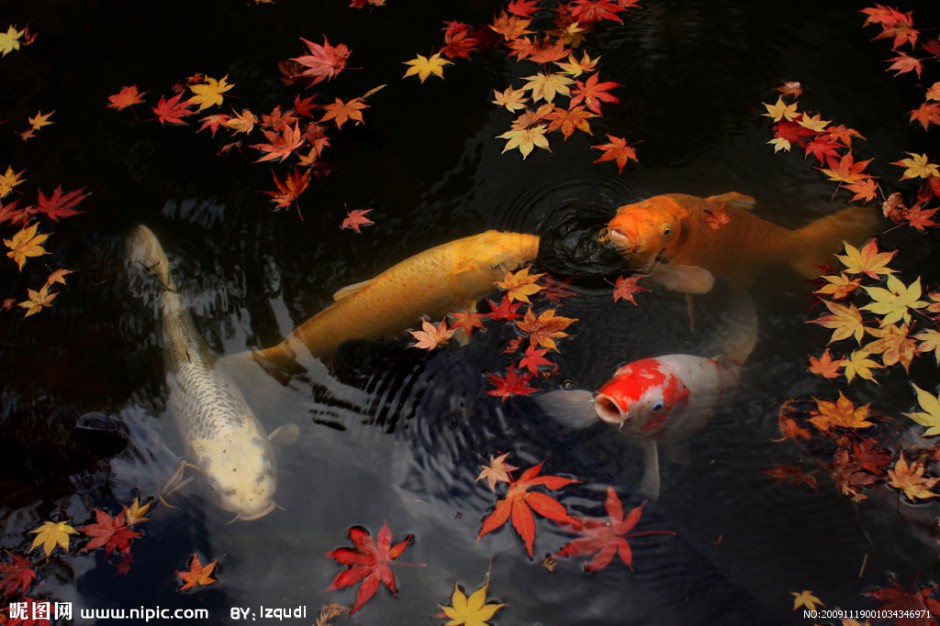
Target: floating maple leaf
<point x="467" y="321"/>
<point x="111" y="532"/>
<point x="367" y="562"/>
<point x="910" y="479"/>
<point x="422" y="66"/>
<point x="324" y="61"/>
<point x="911" y="603"/>
<point x="172" y="111"/>
<point x="127" y="96"/>
<point x="616" y="150"/>
<point x="51" y="534"/>
<point x="840" y="414"/>
<point x="512" y="384"/>
<point x="16" y="575"/>
<point x="525" y="139"/>
<point x="197" y="574"/>
<point x="627" y="288"/>
<point x="470" y="611"/>
<point x="520" y="285"/>
<point x="26" y="243"/>
<point x="535" y="358"/>
<point x="208" y="93"/>
<point x="607" y="538"/>
<point x="544" y="329"/>
<point x="37" y="300"/>
<point x="60" y="205"/>
<point x="432" y="336"/>
<point x="520" y="503"/>
<point x="294" y="184"/>
<point x="592" y="93"/>
<point x="341" y="112"/>
<point x="356" y="219"/>
<point x="825" y="365"/>
<point x="498" y="470"/>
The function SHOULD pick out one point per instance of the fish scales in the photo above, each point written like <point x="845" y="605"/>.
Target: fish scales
<point x="440" y="280"/>
<point x="221" y="434"/>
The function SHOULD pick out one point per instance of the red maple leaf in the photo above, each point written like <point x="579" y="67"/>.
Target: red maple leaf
<point x="505" y="310"/>
<point x="557" y="290"/>
<point x="822" y="147"/>
<point x="587" y="11"/>
<point x="59" y="204"/>
<point x="16" y="576"/>
<point x="457" y="41"/>
<point x="468" y="321"/>
<point x="512" y="384"/>
<point x="280" y="144"/>
<point x="616" y="150"/>
<point x="627" y="288"/>
<point x="792" y="132"/>
<point x="927" y="114"/>
<point x="367" y="562"/>
<point x="523" y="8"/>
<point x="919" y="218"/>
<point x="324" y="61"/>
<point x="535" y="357"/>
<point x="355" y="219"/>
<point x="904" y="63"/>
<point x="520" y="503"/>
<point x="607" y="538"/>
<point x="127" y="96"/>
<point x="290" y="189"/>
<point x="592" y="93"/>
<point x="10" y="213"/>
<point x="871" y="457"/>
<point x="897" y="598"/>
<point x="111" y="532"/>
<point x="172" y="111"/>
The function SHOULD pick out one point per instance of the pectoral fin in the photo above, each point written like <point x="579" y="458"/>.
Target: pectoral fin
<point x="284" y="435"/>
<point x="351" y="290"/>
<point x="573" y="408"/>
<point x="734" y="200"/>
<point x="650" y="484"/>
<point x="684" y="278"/>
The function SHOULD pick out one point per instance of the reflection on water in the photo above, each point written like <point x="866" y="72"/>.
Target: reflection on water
<point x="392" y="433"/>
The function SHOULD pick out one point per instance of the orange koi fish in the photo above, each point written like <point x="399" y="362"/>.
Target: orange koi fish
<point x="435" y="282"/>
<point x="674" y="238"/>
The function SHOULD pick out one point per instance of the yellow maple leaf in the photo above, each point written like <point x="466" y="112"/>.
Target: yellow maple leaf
<point x="520" y="285"/>
<point x="845" y="322"/>
<point x="25" y="243"/>
<point x="781" y="110"/>
<point x="472" y="611"/>
<point x="423" y="66"/>
<point x="806" y="599"/>
<point x="10" y="40"/>
<point x="780" y="143"/>
<point x="917" y="166"/>
<point x="929" y="342"/>
<point x="858" y="364"/>
<point x="929" y="415"/>
<point x="911" y="480"/>
<point x="893" y="303"/>
<point x="40" y="120"/>
<point x="868" y="261"/>
<point x="525" y="139"/>
<point x="8" y="181"/>
<point x="135" y="513"/>
<point x="575" y="68"/>
<point x="36" y="301"/>
<point x="842" y="414"/>
<point x="813" y="122"/>
<point x="242" y="122"/>
<point x="512" y="99"/>
<point x="839" y="286"/>
<point x="52" y="534"/>
<point x="547" y="86"/>
<point x="894" y="345"/>
<point x="209" y="92"/>
<point x="544" y="329"/>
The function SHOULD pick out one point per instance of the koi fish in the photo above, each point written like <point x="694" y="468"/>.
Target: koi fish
<point x="665" y="400"/>
<point x="222" y="436"/>
<point x="672" y="238"/>
<point x="435" y="282"/>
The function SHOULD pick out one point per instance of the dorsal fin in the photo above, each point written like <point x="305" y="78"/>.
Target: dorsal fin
<point x="734" y="200"/>
<point x="351" y="290"/>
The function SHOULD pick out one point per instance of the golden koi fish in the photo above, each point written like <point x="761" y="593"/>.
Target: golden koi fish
<point x="672" y="237"/>
<point x="435" y="282"/>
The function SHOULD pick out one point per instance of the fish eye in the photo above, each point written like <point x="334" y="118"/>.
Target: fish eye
<point x="658" y="406"/>
<point x="667" y="230"/>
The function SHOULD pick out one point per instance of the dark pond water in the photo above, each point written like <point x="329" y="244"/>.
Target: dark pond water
<point x="84" y="421"/>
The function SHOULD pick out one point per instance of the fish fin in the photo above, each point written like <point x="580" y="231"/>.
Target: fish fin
<point x="734" y="200"/>
<point x="573" y="408"/>
<point x="284" y="435"/>
<point x="819" y="240"/>
<point x="351" y="290"/>
<point x="684" y="278"/>
<point x="650" y="483"/>
<point x="678" y="452"/>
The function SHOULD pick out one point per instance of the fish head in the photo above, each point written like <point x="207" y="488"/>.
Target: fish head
<point x="494" y="253"/>
<point x="240" y="473"/>
<point x="641" y="397"/>
<point x="647" y="232"/>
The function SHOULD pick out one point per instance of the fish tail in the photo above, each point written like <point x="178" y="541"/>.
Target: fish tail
<point x="820" y="239"/>
<point x="142" y="247"/>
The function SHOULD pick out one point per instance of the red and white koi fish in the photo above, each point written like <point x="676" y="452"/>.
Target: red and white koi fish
<point x="663" y="400"/>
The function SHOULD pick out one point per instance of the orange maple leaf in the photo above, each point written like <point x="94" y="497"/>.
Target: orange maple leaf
<point x="841" y="414"/>
<point x="197" y="574"/>
<point x="825" y="366"/>
<point x="127" y="96"/>
<point x="616" y="150"/>
<point x="544" y="329"/>
<point x="432" y="336"/>
<point x="341" y="112"/>
<point x="520" y="285"/>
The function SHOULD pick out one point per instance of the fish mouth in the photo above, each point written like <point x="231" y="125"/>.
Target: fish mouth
<point x="608" y="410"/>
<point x="248" y="517"/>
